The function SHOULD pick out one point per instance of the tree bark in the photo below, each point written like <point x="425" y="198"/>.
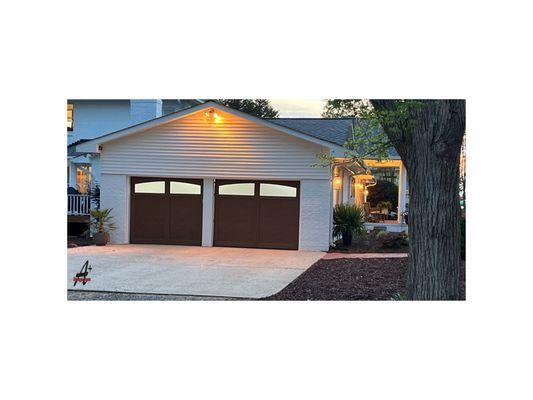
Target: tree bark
<point x="430" y="147"/>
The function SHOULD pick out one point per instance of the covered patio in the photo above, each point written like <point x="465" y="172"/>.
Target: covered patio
<point x="380" y="187"/>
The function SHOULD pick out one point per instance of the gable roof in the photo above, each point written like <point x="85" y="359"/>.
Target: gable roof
<point x="91" y="145"/>
<point x="329" y="132"/>
<point x="334" y="130"/>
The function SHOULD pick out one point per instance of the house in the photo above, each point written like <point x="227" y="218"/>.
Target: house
<point x="210" y="175"/>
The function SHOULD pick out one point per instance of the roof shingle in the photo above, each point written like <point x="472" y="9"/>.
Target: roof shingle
<point x="334" y="130"/>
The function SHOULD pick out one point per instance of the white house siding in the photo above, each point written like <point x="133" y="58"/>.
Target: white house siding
<point x="232" y="148"/>
<point x="315" y="213"/>
<point x="114" y="193"/>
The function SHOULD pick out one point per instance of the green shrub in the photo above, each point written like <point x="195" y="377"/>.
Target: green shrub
<point x="393" y="239"/>
<point x="348" y="220"/>
<point x="381" y="235"/>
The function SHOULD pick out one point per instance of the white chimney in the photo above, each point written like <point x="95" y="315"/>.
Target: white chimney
<point x="144" y="110"/>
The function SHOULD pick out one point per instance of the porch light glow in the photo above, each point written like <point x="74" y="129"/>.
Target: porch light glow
<point x="337" y="183"/>
<point x="211" y="114"/>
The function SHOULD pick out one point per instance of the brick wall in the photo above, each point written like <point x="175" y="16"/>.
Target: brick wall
<point x="114" y="193"/>
<point x="315" y="211"/>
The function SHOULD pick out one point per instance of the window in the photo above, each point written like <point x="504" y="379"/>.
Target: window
<point x="276" y="190"/>
<point x="157" y="187"/>
<point x="70" y="116"/>
<point x="237" y="189"/>
<point x="384" y="194"/>
<point x="184" y="188"/>
<point x="83" y="178"/>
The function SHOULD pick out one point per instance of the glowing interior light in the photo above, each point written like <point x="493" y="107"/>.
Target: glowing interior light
<point x="337" y="183"/>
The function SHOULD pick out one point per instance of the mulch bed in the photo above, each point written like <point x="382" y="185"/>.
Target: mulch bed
<point x="351" y="279"/>
<point x="78" y="242"/>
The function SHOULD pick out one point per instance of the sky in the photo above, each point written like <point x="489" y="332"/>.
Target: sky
<point x="298" y="108"/>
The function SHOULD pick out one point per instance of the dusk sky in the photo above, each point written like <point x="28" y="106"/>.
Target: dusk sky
<point x="298" y="108"/>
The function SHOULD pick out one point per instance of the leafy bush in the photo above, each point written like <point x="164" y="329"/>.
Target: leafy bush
<point x="392" y="239"/>
<point x="348" y="219"/>
<point x="381" y="234"/>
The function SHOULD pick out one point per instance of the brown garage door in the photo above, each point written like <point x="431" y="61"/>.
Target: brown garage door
<point x="166" y="211"/>
<point x="257" y="214"/>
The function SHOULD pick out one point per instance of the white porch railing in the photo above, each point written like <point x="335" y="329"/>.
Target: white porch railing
<point x="79" y="204"/>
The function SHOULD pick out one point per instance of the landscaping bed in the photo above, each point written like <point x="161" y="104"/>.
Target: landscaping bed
<point x="352" y="279"/>
<point x="78" y="242"/>
<point x="367" y="245"/>
<point x="375" y="242"/>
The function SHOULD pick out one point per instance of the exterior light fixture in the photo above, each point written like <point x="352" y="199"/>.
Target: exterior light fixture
<point x="337" y="183"/>
<point x="211" y="114"/>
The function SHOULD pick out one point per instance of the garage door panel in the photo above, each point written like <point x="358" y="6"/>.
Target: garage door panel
<point x="235" y="221"/>
<point x="278" y="223"/>
<point x="149" y="214"/>
<point x="185" y="220"/>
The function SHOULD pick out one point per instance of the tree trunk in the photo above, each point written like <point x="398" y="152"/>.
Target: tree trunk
<point x="430" y="145"/>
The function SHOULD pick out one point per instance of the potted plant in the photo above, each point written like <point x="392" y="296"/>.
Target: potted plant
<point x="101" y="225"/>
<point x="348" y="219"/>
<point x="384" y="207"/>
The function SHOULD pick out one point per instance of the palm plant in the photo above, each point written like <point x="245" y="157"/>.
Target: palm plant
<point x="348" y="220"/>
<point x="101" y="225"/>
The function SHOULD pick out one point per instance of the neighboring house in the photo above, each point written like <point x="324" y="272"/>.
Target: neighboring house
<point x="213" y="176"/>
<point x="88" y="119"/>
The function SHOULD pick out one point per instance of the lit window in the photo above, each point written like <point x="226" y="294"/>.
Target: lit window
<point x="275" y="190"/>
<point x="70" y="116"/>
<point x="157" y="187"/>
<point x="83" y="178"/>
<point x="384" y="194"/>
<point x="237" y="189"/>
<point x="184" y="188"/>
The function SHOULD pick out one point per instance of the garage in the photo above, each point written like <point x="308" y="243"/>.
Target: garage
<point x="214" y="176"/>
<point x="166" y="211"/>
<point x="262" y="214"/>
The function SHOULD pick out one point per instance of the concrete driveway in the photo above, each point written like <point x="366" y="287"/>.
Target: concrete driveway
<point x="188" y="270"/>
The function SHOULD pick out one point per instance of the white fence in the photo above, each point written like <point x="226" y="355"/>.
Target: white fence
<point x="79" y="204"/>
